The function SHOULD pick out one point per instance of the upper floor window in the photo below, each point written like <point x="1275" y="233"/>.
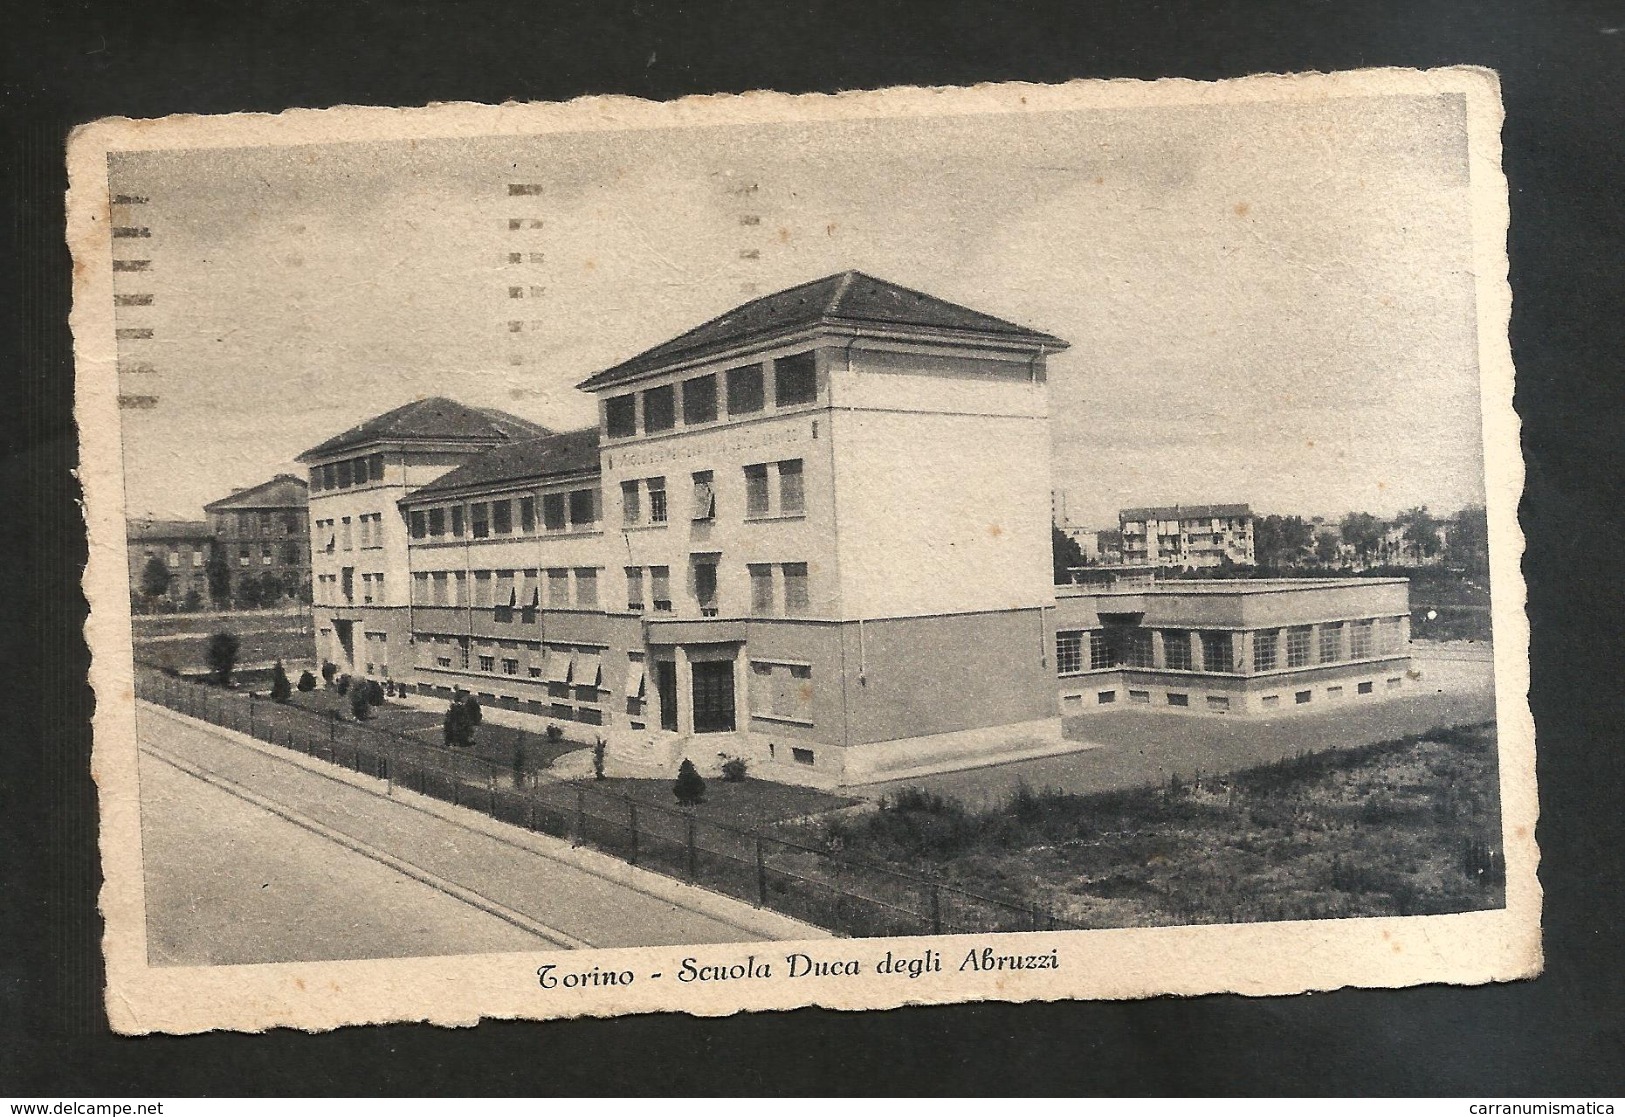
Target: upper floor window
<point x="479" y="519"/>
<point x="527" y="514"/>
<point x="553" y="518"/>
<point x="457" y="520"/>
<point x="796" y="596"/>
<point x="659" y="409"/>
<point x="1176" y="649"/>
<point x="502" y="517"/>
<point x="621" y="416"/>
<point x="705" y="496"/>
<point x="795" y="379"/>
<point x="657" y="499"/>
<point x="745" y="390"/>
<point x="583" y="508"/>
<point x="764" y="497"/>
<point x="700" y="400"/>
<point x="437" y="521"/>
<point x="631" y="506"/>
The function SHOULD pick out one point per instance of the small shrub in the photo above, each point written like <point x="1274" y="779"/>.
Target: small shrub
<point x="690" y="785"/>
<point x="375" y="693"/>
<point x="733" y="769"/>
<point x="280" y="690"/>
<point x="223" y="649"/>
<point x="342" y="685"/>
<point x="555" y="732"/>
<point x="328" y="671"/>
<point x="193" y="601"/>
<point x="307" y="682"/>
<point x="360" y="701"/>
<point x="599" y="748"/>
<point x="462" y="716"/>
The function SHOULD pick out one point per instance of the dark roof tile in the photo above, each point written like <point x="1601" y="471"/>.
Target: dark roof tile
<point x="282" y="491"/>
<point x="427" y="420"/>
<point x="529" y="460"/>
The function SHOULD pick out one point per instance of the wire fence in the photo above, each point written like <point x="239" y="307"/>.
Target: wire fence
<point x="848" y="897"/>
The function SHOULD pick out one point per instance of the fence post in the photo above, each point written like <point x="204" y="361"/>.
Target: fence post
<point x="581" y="818"/>
<point x="632" y="813"/>
<point x="692" y="859"/>
<point x="250" y="713"/>
<point x="936" y="909"/>
<point x="761" y="875"/>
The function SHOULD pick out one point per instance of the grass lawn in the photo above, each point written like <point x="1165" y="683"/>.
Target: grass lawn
<point x="263" y="638"/>
<point x="1403" y="827"/>
<point x="747" y="805"/>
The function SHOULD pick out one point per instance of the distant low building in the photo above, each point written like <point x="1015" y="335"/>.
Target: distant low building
<point x="182" y="546"/>
<point x="265" y="530"/>
<point x="1196" y="535"/>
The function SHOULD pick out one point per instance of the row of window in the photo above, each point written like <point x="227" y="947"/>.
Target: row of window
<point x="347" y="533"/>
<point x="267" y="555"/>
<point x="347" y="474"/>
<point x="744" y="390"/>
<point x="176" y="559"/>
<point x="778" y="589"/>
<point x="561" y="512"/>
<point x="505" y="590"/>
<point x="1294" y="647"/>
<point x="772" y="490"/>
<point x="1220" y="703"/>
<point x="257" y="523"/>
<point x="340" y="588"/>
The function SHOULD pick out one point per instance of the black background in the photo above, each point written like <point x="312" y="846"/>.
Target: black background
<point x="1561" y="68"/>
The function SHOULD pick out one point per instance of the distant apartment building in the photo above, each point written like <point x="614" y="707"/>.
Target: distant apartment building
<point x="264" y="531"/>
<point x="1260" y="647"/>
<point x="181" y="546"/>
<point x="1195" y="536"/>
<point x="743" y="557"/>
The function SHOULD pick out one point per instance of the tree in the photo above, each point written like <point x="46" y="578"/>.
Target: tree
<point x="463" y="715"/>
<point x="1469" y="546"/>
<point x="193" y="601"/>
<point x="1067" y="554"/>
<point x="1421" y="531"/>
<point x="280" y="690"/>
<point x="1327" y="549"/>
<point x="690" y="786"/>
<point x="222" y="655"/>
<point x="154" y="578"/>
<point x="375" y="693"/>
<point x="1281" y="541"/>
<point x="307" y="682"/>
<point x="218" y="572"/>
<point x="360" y="702"/>
<point x="1363" y="532"/>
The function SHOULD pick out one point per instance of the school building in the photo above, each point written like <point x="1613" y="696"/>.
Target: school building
<point x="813" y="532"/>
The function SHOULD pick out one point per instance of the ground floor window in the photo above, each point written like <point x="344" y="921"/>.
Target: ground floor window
<point x="1141" y="696"/>
<point x="781" y="691"/>
<point x="1178" y="699"/>
<point x="1364" y="688"/>
<point x="1105" y="697"/>
<point x="1302" y="697"/>
<point x="1068" y="652"/>
<point x="1297" y="646"/>
<point x="1176" y="649"/>
<point x="1264" y="642"/>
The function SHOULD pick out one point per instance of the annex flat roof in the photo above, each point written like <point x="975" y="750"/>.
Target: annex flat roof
<point x="850" y="298"/>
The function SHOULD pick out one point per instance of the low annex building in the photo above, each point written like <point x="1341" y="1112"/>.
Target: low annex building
<point x="1267" y="646"/>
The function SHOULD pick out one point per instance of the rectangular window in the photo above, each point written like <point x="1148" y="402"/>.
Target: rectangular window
<point x="527" y="514"/>
<point x="1394" y="684"/>
<point x="705" y="497"/>
<point x="479" y="520"/>
<point x="745" y="390"/>
<point x="657" y="499"/>
<point x="174" y="559"/>
<point x="420" y="589"/>
<point x="797" y="599"/>
<point x="1302" y="697"/>
<point x="265" y="554"/>
<point x="1331" y="642"/>
<point x="700" y="400"/>
<point x="482" y="589"/>
<point x="1102" y="652"/>
<point x="197" y="557"/>
<point x="1218" y="703"/>
<point x="502" y="517"/>
<point x="510" y="667"/>
<point x="457" y="521"/>
<point x="1178" y="699"/>
<point x="558" y="589"/>
<point x="1176" y="649"/>
<point x="1364" y="688"/>
<point x="375" y="467"/>
<point x="781" y="691"/>
<point x="1334" y="692"/>
<point x="660" y="588"/>
<point x="1139" y="696"/>
<point x="586" y="587"/>
<point x="1360" y="639"/>
<point x="330" y="476"/>
<point x="621" y="416"/>
<point x="1264" y="643"/>
<point x="705" y="587"/>
<point x="583" y="509"/>
<point x="801" y="756"/>
<point x="634" y="589"/>
<point x="437" y="521"/>
<point x="792" y="493"/>
<point x="488" y="663"/>
<point x="440" y="594"/>
<point x="1105" y="697"/>
<point x="1137" y="648"/>
<point x="795" y="379"/>
<point x="459" y="590"/>
<point x="345" y="474"/>
<point x="553" y="511"/>
<point x="659" y="409"/>
<point x="1271" y="700"/>
<point x="631" y="511"/>
<point x="756" y="498"/>
<point x="1297" y="646"/>
<point x="1068" y="653"/>
<point x="761" y="589"/>
<point x="1218" y="652"/>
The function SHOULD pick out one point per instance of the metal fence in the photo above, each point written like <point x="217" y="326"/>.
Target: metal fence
<point x="816" y="886"/>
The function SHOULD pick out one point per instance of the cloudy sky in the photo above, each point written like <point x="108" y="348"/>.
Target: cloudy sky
<point x="1268" y="303"/>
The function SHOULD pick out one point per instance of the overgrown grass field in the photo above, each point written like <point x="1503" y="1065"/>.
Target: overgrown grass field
<point x="1404" y="827"/>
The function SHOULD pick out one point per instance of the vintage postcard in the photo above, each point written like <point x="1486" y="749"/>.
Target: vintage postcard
<point x="925" y="545"/>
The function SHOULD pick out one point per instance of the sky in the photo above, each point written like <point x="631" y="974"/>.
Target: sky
<point x="1270" y="303"/>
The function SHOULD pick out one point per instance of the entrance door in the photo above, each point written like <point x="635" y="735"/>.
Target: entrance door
<point x="666" y="685"/>
<point x="714" y="697"/>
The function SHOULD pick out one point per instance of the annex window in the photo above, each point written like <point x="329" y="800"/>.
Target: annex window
<point x="479" y="520"/>
<point x="795" y="379"/>
<point x="1331" y="642"/>
<point x="583" y="509"/>
<point x="586" y="587"/>
<point x="659" y="409"/>
<point x="1176" y="649"/>
<point x="756" y="497"/>
<point x="796" y="596"/>
<point x="621" y="416"/>
<point x="1297" y="646"/>
<point x="700" y="400"/>
<point x="631" y="510"/>
<point x="527" y="514"/>
<point x="705" y="496"/>
<point x="745" y="390"/>
<point x="761" y="589"/>
<point x="1068" y="653"/>
<point x="553" y="518"/>
<point x="657" y="499"/>
<point x="660" y="588"/>
<point x="1264" y="644"/>
<point x="502" y="517"/>
<point x="1360" y="639"/>
<point x="1218" y="652"/>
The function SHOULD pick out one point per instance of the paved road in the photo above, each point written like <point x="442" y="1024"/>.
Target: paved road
<point x="256" y="857"/>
